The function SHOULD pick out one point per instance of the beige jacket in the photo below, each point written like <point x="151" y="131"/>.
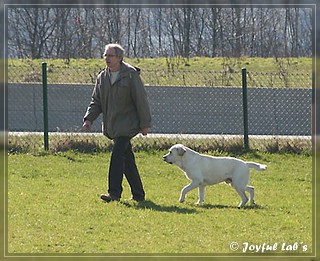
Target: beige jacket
<point x="124" y="104"/>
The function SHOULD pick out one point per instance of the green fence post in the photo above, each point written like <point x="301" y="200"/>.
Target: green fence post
<point x="45" y="105"/>
<point x="245" y="109"/>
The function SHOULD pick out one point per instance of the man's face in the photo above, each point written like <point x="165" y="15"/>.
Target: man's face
<point x="111" y="59"/>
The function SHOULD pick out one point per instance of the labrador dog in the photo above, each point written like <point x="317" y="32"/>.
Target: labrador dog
<point x="204" y="170"/>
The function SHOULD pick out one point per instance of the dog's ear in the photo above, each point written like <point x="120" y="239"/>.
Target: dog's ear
<point x="181" y="151"/>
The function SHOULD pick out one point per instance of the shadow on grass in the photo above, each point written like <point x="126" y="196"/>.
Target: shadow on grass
<point x="218" y="206"/>
<point x="148" y="204"/>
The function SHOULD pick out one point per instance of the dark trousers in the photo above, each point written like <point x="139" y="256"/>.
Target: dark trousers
<point x="123" y="162"/>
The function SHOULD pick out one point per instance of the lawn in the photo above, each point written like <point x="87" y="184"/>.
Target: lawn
<point x="175" y="71"/>
<point x="54" y="207"/>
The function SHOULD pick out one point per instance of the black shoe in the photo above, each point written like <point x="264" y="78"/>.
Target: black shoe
<point x="137" y="199"/>
<point x="108" y="198"/>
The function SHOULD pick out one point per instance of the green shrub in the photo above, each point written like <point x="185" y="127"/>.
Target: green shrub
<point x="91" y="143"/>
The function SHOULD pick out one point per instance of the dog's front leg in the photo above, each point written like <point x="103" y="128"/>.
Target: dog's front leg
<point x="201" y="194"/>
<point x="186" y="189"/>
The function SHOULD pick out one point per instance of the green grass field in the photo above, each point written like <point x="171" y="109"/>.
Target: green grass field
<point x="54" y="207"/>
<point x="175" y="71"/>
<point x="257" y="64"/>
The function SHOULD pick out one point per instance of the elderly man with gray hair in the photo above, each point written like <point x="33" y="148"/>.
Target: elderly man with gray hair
<point x="120" y="96"/>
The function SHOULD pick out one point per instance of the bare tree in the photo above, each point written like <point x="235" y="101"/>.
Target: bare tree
<point x="33" y="27"/>
<point x="238" y="34"/>
<point x="152" y="32"/>
<point x="214" y="29"/>
<point x="62" y="46"/>
<point x="137" y="13"/>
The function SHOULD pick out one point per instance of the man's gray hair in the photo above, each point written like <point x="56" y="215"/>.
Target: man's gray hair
<point x="119" y="51"/>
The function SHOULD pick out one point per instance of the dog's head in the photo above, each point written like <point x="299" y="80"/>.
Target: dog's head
<point x="175" y="154"/>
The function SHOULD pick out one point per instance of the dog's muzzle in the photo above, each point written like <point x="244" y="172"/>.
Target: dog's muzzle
<point x="165" y="159"/>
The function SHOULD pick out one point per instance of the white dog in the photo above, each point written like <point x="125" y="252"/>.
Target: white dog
<point x="205" y="170"/>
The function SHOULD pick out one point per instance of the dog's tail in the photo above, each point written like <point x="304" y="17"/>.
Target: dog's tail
<point x="256" y="166"/>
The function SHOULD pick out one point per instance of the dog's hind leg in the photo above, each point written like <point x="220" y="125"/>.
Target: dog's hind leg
<point x="201" y="194"/>
<point x="243" y="196"/>
<point x="186" y="189"/>
<point x="250" y="189"/>
<point x="240" y="180"/>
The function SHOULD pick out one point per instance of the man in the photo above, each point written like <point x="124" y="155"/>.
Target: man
<point x="119" y="94"/>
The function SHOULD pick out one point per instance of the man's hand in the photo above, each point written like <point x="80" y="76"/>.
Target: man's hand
<point x="145" y="131"/>
<point x="86" y="125"/>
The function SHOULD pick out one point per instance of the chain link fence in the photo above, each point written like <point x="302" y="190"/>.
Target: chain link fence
<point x="202" y="109"/>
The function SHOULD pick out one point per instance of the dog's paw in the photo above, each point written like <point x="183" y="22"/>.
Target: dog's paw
<point x="181" y="200"/>
<point x="241" y="205"/>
